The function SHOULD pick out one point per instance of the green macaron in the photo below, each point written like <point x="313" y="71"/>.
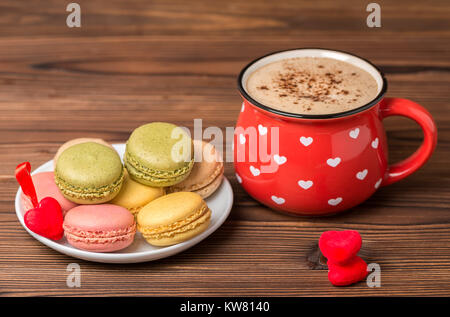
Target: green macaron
<point x="159" y="154"/>
<point x="89" y="173"/>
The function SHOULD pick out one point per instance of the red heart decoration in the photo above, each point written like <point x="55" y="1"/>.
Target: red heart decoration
<point x="46" y="220"/>
<point x="341" y="275"/>
<point x="25" y="181"/>
<point x="340" y="247"/>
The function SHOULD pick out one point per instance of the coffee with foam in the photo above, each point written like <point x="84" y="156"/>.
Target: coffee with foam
<point x="311" y="85"/>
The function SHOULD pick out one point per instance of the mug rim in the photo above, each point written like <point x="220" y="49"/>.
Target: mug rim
<point x="368" y="105"/>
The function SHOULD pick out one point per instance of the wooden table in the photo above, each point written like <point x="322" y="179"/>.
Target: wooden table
<point x="134" y="62"/>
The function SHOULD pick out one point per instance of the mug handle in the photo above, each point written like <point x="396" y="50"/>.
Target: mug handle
<point x="410" y="109"/>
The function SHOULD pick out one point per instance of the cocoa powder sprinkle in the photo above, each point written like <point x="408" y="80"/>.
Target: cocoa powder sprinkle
<point x="298" y="83"/>
<point x="310" y="85"/>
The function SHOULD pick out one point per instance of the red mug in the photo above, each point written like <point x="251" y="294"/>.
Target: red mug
<point x="322" y="164"/>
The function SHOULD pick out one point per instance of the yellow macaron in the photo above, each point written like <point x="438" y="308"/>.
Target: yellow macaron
<point x="133" y="195"/>
<point x="173" y="218"/>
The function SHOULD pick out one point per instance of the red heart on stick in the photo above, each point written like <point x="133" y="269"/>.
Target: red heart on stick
<point x="340" y="247"/>
<point x="350" y="273"/>
<point x="25" y="181"/>
<point x="46" y="218"/>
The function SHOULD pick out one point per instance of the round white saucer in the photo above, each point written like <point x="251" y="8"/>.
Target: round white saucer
<point x="220" y="204"/>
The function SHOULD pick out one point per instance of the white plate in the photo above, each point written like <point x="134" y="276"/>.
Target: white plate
<point x="220" y="204"/>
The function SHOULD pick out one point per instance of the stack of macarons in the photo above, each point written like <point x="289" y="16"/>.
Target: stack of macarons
<point x="159" y="190"/>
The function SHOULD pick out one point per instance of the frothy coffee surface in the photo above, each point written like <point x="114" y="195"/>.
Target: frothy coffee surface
<point x="311" y="85"/>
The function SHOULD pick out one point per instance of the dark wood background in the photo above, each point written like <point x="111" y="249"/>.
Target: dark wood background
<point x="134" y="62"/>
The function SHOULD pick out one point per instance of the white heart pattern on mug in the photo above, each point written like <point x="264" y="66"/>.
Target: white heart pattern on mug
<point x="334" y="162"/>
<point x="239" y="179"/>
<point x="262" y="129"/>
<point x="361" y="175"/>
<point x="278" y="200"/>
<point x="255" y="171"/>
<point x="305" y="184"/>
<point x="242" y="139"/>
<point x="354" y="133"/>
<point x="375" y="143"/>
<point x="377" y="184"/>
<point x="306" y="141"/>
<point x="335" y="201"/>
<point x="280" y="160"/>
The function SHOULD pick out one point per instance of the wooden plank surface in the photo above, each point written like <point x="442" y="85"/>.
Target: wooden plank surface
<point x="134" y="62"/>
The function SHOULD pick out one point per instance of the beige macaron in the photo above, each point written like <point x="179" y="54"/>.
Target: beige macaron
<point x="207" y="173"/>
<point x="73" y="142"/>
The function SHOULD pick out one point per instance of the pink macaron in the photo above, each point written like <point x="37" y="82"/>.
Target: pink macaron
<point x="99" y="228"/>
<point x="46" y="187"/>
